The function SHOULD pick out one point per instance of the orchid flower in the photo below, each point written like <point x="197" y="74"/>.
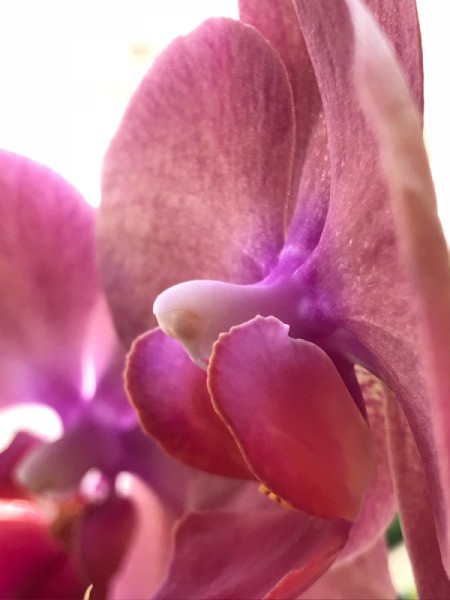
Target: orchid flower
<point x="59" y="534"/>
<point x="278" y="164"/>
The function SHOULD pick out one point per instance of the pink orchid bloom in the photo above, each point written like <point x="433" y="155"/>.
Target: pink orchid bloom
<point x="55" y="328"/>
<point x="278" y="164"/>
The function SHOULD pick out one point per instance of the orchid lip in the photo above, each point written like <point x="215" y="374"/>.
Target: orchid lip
<point x="197" y="312"/>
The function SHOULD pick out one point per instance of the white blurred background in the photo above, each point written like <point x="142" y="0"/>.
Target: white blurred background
<point x="68" y="68"/>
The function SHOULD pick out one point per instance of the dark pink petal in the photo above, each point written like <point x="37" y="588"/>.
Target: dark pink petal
<point x="395" y="296"/>
<point x="279" y="24"/>
<point x="416" y="512"/>
<point x="32" y="563"/>
<point x="293" y="418"/>
<point x="204" y="151"/>
<point x="225" y="554"/>
<point x="174" y="406"/>
<point x="366" y="577"/>
<point x="146" y="560"/>
<point x="379" y="503"/>
<point x="48" y="281"/>
<point x="104" y="534"/>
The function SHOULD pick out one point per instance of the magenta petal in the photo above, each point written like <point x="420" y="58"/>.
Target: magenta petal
<point x="104" y="534"/>
<point x="279" y="24"/>
<point x="379" y="503"/>
<point x="47" y="277"/>
<point x="290" y="412"/>
<point x="204" y="149"/>
<point x="225" y="554"/>
<point x="366" y="577"/>
<point x="395" y="297"/>
<point x="32" y="563"/>
<point x="415" y="508"/>
<point x="174" y="406"/>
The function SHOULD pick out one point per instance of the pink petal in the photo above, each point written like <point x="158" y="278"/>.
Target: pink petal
<point x="105" y="532"/>
<point x="205" y="149"/>
<point x="146" y="560"/>
<point x="48" y="281"/>
<point x="416" y="512"/>
<point x="379" y="503"/>
<point x="395" y="296"/>
<point x="174" y="406"/>
<point x="32" y="563"/>
<point x="226" y="554"/>
<point x="279" y="24"/>
<point x="293" y="418"/>
<point x="366" y="577"/>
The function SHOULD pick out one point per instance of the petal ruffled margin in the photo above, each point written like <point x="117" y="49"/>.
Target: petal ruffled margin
<point x="293" y="418"/>
<point x="174" y="406"/>
<point x="205" y="148"/>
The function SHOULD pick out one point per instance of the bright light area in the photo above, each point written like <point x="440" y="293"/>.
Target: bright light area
<point x="35" y="418"/>
<point x="68" y="69"/>
<point x="434" y="19"/>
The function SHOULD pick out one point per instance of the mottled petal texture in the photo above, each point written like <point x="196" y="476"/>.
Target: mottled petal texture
<point x="204" y="150"/>
<point x="293" y="418"/>
<point x="174" y="406"/>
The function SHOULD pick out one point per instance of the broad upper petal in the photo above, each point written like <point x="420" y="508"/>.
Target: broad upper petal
<point x="174" y="406"/>
<point x="196" y="180"/>
<point x="293" y="418"/>
<point x="279" y="24"/>
<point x="48" y="283"/>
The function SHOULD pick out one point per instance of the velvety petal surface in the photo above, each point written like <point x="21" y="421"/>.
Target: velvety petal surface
<point x="382" y="261"/>
<point x="174" y="406"/>
<point x="32" y="563"/>
<point x="366" y="577"/>
<point x="205" y="148"/>
<point x="379" y="504"/>
<point x="48" y="282"/>
<point x="105" y="532"/>
<point x="416" y="512"/>
<point x="226" y="554"/>
<point x="279" y="24"/>
<point x="291" y="413"/>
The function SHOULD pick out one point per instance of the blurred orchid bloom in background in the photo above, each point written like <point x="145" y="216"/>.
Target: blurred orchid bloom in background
<point x="281" y="168"/>
<point x="58" y="532"/>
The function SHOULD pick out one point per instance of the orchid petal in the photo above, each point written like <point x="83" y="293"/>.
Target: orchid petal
<point x="102" y="540"/>
<point x="226" y="554"/>
<point x="204" y="148"/>
<point x="279" y="24"/>
<point x="174" y="406"/>
<point x="48" y="281"/>
<point x="393" y="230"/>
<point x="379" y="503"/>
<point x="415" y="508"/>
<point x="146" y="560"/>
<point x="291" y="413"/>
<point x="32" y="563"/>
<point x="365" y="577"/>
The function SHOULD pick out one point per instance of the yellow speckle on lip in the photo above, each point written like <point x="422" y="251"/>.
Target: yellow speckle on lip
<point x="272" y="496"/>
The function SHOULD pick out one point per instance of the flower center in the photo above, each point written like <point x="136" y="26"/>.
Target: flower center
<point x="197" y="312"/>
